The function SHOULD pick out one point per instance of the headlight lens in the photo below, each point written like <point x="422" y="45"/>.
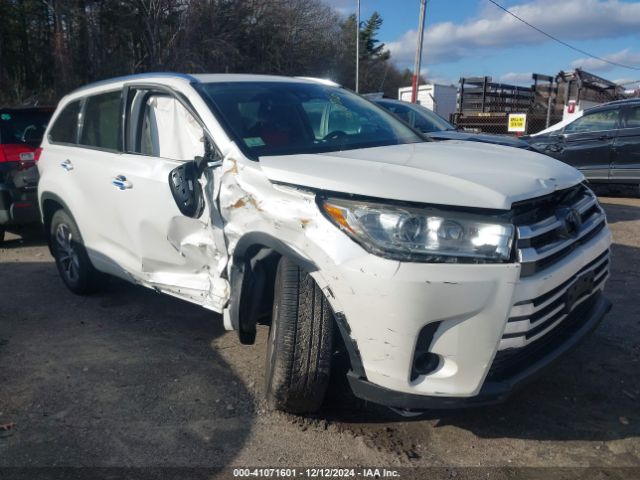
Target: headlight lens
<point x="421" y="234"/>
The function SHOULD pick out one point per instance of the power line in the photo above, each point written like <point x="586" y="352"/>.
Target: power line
<point x="563" y="42"/>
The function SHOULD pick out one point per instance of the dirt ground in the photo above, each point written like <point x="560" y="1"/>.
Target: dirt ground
<point x="132" y="378"/>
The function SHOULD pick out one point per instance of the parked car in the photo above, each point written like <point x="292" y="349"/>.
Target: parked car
<point x="438" y="128"/>
<point x="604" y="143"/>
<point x="21" y="131"/>
<point x="449" y="272"/>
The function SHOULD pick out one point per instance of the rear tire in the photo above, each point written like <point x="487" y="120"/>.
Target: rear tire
<point x="73" y="263"/>
<point x="300" y="342"/>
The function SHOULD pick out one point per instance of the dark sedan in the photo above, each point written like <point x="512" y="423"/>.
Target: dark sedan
<point x="604" y="143"/>
<point x="438" y="128"/>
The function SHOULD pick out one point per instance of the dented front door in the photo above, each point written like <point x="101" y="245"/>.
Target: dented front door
<point x="178" y="255"/>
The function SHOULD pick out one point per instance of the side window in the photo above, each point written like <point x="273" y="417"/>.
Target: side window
<point x="594" y="122"/>
<point x="101" y="121"/>
<point x="633" y="117"/>
<point x="165" y="128"/>
<point x="65" y="129"/>
<point x="402" y="112"/>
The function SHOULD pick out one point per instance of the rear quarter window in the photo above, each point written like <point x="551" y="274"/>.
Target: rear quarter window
<point x="633" y="118"/>
<point x="65" y="128"/>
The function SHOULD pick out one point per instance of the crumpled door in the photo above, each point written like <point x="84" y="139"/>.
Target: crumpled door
<point x="178" y="255"/>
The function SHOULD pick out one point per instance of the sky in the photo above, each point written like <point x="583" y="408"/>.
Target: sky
<point x="476" y="38"/>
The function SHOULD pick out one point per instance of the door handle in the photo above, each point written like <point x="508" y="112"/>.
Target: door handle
<point x="121" y="182"/>
<point x="67" y="165"/>
<point x="602" y="138"/>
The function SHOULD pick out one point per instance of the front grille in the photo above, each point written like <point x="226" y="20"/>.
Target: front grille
<point x="508" y="363"/>
<point x="531" y="319"/>
<point x="542" y="236"/>
<point x="539" y="325"/>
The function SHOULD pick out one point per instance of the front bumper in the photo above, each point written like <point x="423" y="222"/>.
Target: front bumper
<point x="383" y="306"/>
<point x="581" y="322"/>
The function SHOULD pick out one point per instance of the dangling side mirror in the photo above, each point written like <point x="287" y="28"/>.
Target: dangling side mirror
<point x="186" y="189"/>
<point x="183" y="181"/>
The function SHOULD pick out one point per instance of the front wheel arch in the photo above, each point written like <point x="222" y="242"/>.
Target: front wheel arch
<point x="252" y="278"/>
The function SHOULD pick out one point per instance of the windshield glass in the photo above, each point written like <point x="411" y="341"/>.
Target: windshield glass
<point x="23" y="126"/>
<point x="284" y="118"/>
<point x="418" y="117"/>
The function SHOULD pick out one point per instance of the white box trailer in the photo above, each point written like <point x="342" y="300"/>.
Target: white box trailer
<point x="439" y="98"/>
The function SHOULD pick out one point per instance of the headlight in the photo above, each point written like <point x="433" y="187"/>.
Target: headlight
<point x="427" y="235"/>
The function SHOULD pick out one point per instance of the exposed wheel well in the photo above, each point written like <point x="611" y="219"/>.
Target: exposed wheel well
<point x="260" y="259"/>
<point x="252" y="285"/>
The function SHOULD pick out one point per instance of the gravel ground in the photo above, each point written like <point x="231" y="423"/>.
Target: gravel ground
<point x="132" y="378"/>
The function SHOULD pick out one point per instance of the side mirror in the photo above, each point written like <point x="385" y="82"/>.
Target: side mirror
<point x="186" y="189"/>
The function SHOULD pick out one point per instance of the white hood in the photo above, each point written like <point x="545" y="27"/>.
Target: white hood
<point x="469" y="174"/>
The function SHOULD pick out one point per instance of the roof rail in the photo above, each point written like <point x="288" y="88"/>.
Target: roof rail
<point x="323" y="81"/>
<point x="137" y="76"/>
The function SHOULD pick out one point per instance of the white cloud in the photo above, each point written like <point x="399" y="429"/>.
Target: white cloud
<point x="624" y="57"/>
<point x="344" y="7"/>
<point x="628" y="82"/>
<point x="569" y="20"/>
<point x="515" y="77"/>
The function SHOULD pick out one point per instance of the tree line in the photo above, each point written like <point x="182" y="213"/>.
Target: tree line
<point x="49" y="47"/>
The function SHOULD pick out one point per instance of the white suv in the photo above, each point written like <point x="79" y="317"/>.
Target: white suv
<point x="450" y="272"/>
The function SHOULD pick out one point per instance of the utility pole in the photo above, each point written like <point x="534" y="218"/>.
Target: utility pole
<point x="416" y="71"/>
<point x="358" y="47"/>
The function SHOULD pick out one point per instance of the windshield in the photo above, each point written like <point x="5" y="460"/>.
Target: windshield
<point x="418" y="117"/>
<point x="284" y="118"/>
<point x="23" y="126"/>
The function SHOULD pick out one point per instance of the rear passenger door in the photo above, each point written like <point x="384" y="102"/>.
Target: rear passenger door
<point x="176" y="254"/>
<point x="85" y="159"/>
<point x="626" y="152"/>
<point x="588" y="143"/>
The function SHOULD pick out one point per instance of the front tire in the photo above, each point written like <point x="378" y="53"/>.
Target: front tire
<point x="73" y="263"/>
<point x="300" y="342"/>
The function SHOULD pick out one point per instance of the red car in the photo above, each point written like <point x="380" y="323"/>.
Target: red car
<point x="21" y="131"/>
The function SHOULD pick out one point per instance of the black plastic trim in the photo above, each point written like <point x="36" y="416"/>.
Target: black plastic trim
<point x="352" y="347"/>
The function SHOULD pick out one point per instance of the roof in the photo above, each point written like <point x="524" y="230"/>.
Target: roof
<point x="137" y="76"/>
<point x="621" y="102"/>
<point x="198" y="78"/>
<point x="614" y="103"/>
<point x="246" y="77"/>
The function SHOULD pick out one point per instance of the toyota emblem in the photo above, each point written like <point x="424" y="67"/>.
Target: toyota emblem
<point x="571" y="222"/>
